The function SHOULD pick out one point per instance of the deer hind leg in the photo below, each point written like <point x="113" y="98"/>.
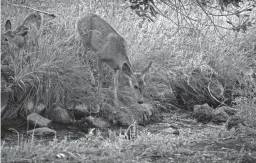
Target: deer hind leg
<point x="86" y="61"/>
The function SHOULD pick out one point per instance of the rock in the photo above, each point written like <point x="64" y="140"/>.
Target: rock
<point x="81" y="111"/>
<point x="97" y="122"/>
<point x="38" y="120"/>
<point x="61" y="115"/>
<point x="219" y="116"/>
<point x="123" y="118"/>
<point x="235" y="121"/>
<point x="203" y="113"/>
<point x="43" y="131"/>
<point x="4" y="102"/>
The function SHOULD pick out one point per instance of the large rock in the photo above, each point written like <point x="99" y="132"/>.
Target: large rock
<point x="97" y="122"/>
<point x="83" y="110"/>
<point x="61" y="115"/>
<point x="37" y="120"/>
<point x="203" y="113"/>
<point x="219" y="116"/>
<point x="43" y="131"/>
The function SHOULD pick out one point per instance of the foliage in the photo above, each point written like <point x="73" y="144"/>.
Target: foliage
<point x="144" y="8"/>
<point x="148" y="9"/>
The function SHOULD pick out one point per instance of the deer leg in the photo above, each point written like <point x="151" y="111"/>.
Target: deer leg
<point x="86" y="61"/>
<point x="116" y="73"/>
<point x="100" y="76"/>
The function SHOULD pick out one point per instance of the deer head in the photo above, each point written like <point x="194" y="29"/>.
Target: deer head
<point x="136" y="80"/>
<point x="14" y="39"/>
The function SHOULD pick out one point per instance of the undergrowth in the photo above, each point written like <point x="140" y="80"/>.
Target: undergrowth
<point x="188" y="68"/>
<point x="189" y="146"/>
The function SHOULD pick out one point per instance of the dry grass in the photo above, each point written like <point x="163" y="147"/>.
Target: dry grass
<point x="197" y="144"/>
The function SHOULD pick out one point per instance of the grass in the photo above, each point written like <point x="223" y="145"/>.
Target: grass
<point x="187" y="70"/>
<point x="195" y="144"/>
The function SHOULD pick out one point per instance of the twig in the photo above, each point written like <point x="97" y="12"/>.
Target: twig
<point x="46" y="13"/>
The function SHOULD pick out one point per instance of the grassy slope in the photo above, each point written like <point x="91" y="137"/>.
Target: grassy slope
<point x="175" y="57"/>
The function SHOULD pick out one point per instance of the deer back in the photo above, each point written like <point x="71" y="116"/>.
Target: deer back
<point x="99" y="36"/>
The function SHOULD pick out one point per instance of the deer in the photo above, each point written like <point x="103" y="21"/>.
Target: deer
<point x="111" y="48"/>
<point x="24" y="36"/>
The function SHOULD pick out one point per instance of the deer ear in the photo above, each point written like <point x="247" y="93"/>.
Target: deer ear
<point x="127" y="69"/>
<point x="143" y="72"/>
<point x="22" y="31"/>
<point x="8" y="25"/>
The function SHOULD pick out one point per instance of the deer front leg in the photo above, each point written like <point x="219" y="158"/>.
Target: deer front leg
<point x="116" y="73"/>
<point x="100" y="76"/>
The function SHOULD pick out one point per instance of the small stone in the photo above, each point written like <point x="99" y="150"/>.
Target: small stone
<point x="43" y="131"/>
